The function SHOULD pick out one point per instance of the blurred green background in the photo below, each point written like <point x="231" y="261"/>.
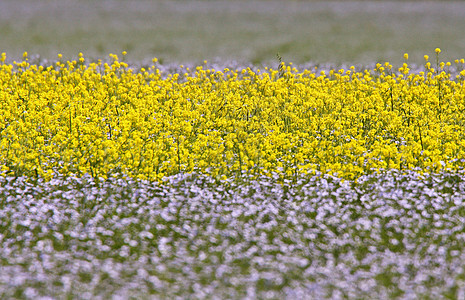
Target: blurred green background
<point x="352" y="32"/>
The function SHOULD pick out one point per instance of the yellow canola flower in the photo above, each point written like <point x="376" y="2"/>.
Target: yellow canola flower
<point x="107" y="119"/>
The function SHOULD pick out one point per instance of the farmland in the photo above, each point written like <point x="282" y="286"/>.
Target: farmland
<point x="154" y="182"/>
<point x="335" y="32"/>
<point x="392" y="236"/>
<point x="147" y="153"/>
<point x="73" y="118"/>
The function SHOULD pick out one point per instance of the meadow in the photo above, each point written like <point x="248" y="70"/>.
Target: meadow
<point x="272" y="150"/>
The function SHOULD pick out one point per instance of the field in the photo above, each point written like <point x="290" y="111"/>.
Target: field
<point x="232" y="183"/>
<point x="349" y="32"/>
<point x="392" y="236"/>
<point x="235" y="174"/>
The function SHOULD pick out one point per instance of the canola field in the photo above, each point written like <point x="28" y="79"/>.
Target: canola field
<point x="73" y="118"/>
<point x="122" y="180"/>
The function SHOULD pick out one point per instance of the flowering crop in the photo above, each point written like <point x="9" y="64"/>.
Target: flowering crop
<point x="391" y="236"/>
<point x="74" y="117"/>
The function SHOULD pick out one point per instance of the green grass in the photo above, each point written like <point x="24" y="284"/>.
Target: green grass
<point x="254" y="31"/>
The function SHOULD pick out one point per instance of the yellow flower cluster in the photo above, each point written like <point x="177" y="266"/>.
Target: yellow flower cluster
<point x="105" y="118"/>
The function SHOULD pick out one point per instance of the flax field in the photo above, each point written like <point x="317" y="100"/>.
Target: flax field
<point x="149" y="181"/>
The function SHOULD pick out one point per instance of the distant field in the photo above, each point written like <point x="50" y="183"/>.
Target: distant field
<point x="354" y="32"/>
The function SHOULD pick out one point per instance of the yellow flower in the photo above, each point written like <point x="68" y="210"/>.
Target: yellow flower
<point x="103" y="118"/>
